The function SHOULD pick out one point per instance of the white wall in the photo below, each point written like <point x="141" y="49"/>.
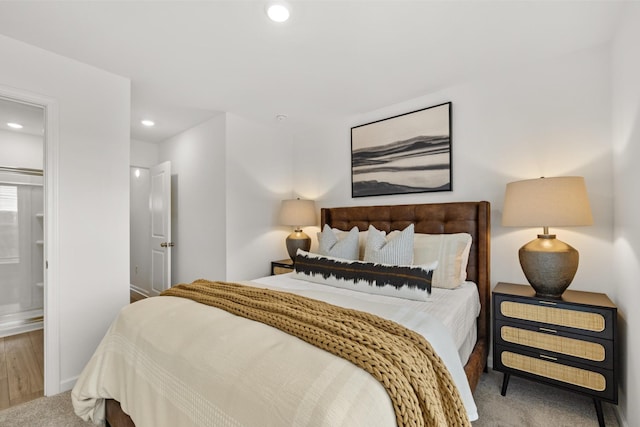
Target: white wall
<point x="550" y="119"/>
<point x="259" y="176"/>
<point x="92" y="266"/>
<point x="198" y="168"/>
<point x="626" y="145"/>
<point x="21" y="150"/>
<point x="144" y="154"/>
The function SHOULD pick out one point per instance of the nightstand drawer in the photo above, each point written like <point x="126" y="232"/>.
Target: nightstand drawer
<point x="573" y="347"/>
<point x="282" y="270"/>
<point x="592" y="321"/>
<point x="281" y="267"/>
<point x="597" y="382"/>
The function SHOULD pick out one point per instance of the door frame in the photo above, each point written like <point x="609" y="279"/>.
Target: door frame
<point x="51" y="232"/>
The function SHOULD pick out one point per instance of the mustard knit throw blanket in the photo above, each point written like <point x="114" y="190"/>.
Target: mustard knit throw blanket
<point x="417" y="381"/>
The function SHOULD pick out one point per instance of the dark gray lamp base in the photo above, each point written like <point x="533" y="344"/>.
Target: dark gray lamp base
<point x="549" y="265"/>
<point x="297" y="240"/>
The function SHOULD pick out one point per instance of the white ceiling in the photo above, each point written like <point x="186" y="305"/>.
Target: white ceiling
<point x="189" y="60"/>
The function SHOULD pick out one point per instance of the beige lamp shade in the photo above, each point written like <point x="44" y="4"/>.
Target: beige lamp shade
<point x="547" y="202"/>
<point x="297" y="213"/>
<point x="548" y="263"/>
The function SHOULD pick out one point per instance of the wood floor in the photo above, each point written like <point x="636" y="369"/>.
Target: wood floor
<point x="135" y="296"/>
<point x="21" y="368"/>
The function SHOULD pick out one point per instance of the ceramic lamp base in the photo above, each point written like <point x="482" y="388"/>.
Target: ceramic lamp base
<point x="549" y="265"/>
<point x="297" y="240"/>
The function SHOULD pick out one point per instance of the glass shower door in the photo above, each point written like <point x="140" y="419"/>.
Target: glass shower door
<point x="21" y="254"/>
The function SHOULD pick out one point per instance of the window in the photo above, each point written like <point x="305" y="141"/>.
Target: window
<point x="9" y="231"/>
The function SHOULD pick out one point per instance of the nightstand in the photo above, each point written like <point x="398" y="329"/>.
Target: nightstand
<point x="281" y="267"/>
<point x="568" y="342"/>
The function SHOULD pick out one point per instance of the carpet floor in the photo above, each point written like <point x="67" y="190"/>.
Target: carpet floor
<point x="527" y="404"/>
<point x="531" y="404"/>
<point x="54" y="411"/>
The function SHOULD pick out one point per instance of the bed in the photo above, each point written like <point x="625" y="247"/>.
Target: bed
<point x="441" y="218"/>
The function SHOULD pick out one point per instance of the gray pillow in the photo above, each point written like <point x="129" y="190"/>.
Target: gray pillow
<point x="345" y="247"/>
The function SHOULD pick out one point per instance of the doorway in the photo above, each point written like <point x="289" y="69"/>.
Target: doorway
<point x="150" y="224"/>
<point x="22" y="250"/>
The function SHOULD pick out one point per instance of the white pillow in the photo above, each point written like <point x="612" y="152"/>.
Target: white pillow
<point x="344" y="245"/>
<point x="401" y="281"/>
<point x="395" y="250"/>
<point x="451" y="251"/>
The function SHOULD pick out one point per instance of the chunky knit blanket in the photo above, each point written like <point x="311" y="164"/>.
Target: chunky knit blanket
<point x="418" y="383"/>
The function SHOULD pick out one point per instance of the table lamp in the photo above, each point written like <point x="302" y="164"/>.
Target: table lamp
<point x="297" y="213"/>
<point x="548" y="263"/>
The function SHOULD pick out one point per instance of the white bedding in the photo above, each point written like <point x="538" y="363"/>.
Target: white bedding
<point x="457" y="309"/>
<point x="174" y="362"/>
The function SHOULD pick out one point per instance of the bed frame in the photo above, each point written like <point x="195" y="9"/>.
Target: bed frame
<point x="437" y="218"/>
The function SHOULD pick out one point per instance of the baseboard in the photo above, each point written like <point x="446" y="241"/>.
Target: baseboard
<point x="21" y="328"/>
<point x="68" y="383"/>
<point x="622" y="419"/>
<point x="139" y="291"/>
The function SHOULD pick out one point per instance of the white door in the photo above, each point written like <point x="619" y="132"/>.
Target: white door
<point x="160" y="204"/>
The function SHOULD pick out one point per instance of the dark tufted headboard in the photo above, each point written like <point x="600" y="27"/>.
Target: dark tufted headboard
<point x="436" y="218"/>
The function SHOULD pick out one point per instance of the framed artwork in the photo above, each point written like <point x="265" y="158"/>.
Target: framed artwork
<point x="409" y="153"/>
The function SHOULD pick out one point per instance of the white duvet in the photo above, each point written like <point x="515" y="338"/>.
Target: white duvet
<point x="174" y="362"/>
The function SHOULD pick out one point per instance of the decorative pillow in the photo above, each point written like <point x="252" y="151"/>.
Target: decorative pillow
<point x="397" y="249"/>
<point x="362" y="240"/>
<point x="452" y="253"/>
<point x="344" y="245"/>
<point x="401" y="281"/>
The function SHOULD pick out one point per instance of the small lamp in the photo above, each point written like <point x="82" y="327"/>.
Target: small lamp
<point x="297" y="213"/>
<point x="548" y="263"/>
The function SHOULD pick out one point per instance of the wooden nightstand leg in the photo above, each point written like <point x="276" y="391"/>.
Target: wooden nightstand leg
<point x="598" y="404"/>
<point x="505" y="383"/>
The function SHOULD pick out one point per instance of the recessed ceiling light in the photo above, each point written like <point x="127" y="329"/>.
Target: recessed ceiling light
<point x="148" y="123"/>
<point x="15" y="125"/>
<point x="278" y="11"/>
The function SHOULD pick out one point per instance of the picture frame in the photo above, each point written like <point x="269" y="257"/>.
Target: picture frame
<point x="403" y="154"/>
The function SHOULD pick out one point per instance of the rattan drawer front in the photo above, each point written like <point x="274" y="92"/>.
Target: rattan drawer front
<point x="555" y="371"/>
<point x="558" y="344"/>
<point x="588" y="321"/>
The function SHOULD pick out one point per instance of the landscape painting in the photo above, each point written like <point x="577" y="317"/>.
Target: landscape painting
<point x="409" y="153"/>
